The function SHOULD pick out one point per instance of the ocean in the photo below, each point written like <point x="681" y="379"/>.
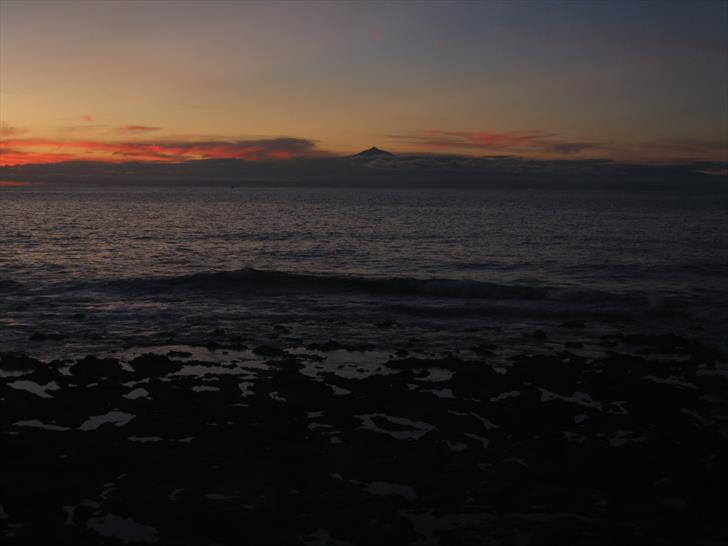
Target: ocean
<point x="340" y="366"/>
<point x="91" y="269"/>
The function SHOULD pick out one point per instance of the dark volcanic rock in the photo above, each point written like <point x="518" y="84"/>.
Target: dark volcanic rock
<point x="91" y="368"/>
<point x="558" y="371"/>
<point x="150" y="364"/>
<point x="543" y="449"/>
<point x="17" y="362"/>
<point x="324" y="347"/>
<point x="179" y="354"/>
<point x="333" y="345"/>
<point x="448" y="362"/>
<point x="477" y="379"/>
<point x="673" y="344"/>
<point x="293" y="363"/>
<point x="267" y="350"/>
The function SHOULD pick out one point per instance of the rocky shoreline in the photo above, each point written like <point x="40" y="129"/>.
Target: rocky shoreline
<point x="336" y="443"/>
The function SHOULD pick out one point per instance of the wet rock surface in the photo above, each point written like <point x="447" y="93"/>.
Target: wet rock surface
<point x="332" y="443"/>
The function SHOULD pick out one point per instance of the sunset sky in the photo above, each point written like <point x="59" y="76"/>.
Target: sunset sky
<point x="172" y="81"/>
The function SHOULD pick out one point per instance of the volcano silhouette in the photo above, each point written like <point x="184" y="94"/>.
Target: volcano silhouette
<point x="374" y="152"/>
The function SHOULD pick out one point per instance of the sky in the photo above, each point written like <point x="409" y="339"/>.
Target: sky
<point x="183" y="80"/>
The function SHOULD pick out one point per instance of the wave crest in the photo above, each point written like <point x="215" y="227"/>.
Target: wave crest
<point x="259" y="282"/>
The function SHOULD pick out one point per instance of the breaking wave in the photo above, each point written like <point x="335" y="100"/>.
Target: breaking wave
<point x="251" y="282"/>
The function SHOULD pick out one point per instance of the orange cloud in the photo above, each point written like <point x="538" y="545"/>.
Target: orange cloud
<point x="11" y="156"/>
<point x="86" y="117"/>
<point x="19" y="151"/>
<point x="135" y="129"/>
<point x="86" y="128"/>
<point x="8" y="131"/>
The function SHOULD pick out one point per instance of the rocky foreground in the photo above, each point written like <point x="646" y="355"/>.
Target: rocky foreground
<point x="334" y="445"/>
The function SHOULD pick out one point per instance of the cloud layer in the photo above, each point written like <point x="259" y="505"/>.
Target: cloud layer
<point x="136" y="129"/>
<point x="511" y="141"/>
<point x="20" y="151"/>
<point x="139" y="143"/>
<point x="8" y="131"/>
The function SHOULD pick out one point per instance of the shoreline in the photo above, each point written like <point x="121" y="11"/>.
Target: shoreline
<point x="335" y="442"/>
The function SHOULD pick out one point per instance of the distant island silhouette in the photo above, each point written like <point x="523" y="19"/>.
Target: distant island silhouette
<point x="374" y="152"/>
<point x="408" y="169"/>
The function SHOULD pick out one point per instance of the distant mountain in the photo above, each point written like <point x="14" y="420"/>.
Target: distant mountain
<point x="374" y="152"/>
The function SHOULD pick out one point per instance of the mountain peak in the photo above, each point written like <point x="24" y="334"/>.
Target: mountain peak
<point x="374" y="152"/>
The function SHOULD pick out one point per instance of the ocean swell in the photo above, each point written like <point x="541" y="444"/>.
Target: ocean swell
<point x="256" y="282"/>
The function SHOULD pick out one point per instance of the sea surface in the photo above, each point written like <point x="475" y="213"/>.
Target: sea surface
<point x="93" y="269"/>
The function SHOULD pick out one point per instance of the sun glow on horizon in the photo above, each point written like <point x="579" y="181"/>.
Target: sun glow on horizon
<point x="274" y="81"/>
